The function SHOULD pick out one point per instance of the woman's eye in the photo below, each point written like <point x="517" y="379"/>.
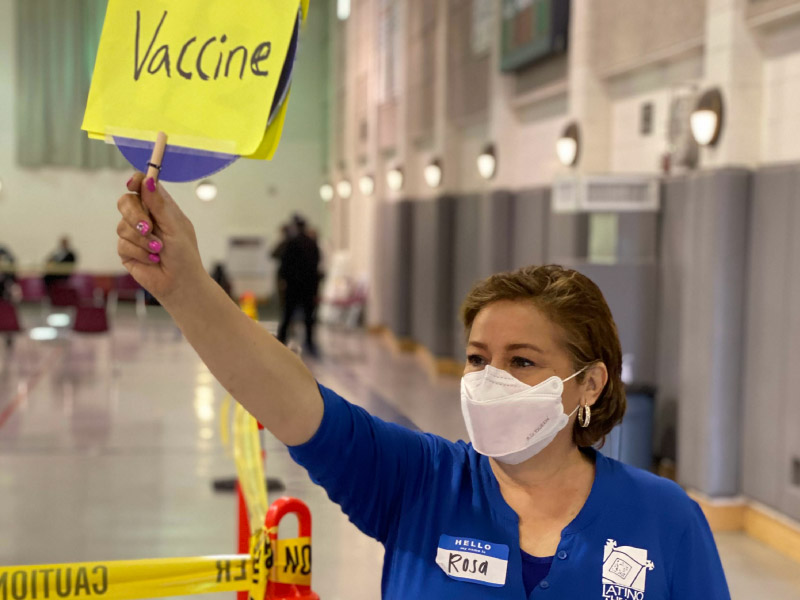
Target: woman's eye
<point x="475" y="360"/>
<point x="518" y="361"/>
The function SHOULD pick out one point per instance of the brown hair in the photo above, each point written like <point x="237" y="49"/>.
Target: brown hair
<point x="574" y="303"/>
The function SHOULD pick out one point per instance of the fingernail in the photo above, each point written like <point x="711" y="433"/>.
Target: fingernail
<point x="155" y="246"/>
<point x="128" y="184"/>
<point x="143" y="227"/>
<point x="155" y="258"/>
<point x="151" y="184"/>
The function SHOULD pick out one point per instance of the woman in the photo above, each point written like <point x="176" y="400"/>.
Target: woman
<point x="529" y="509"/>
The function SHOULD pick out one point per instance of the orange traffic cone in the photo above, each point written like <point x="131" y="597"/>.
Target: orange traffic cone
<point x="290" y="576"/>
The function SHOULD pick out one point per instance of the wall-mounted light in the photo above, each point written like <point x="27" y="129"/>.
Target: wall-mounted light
<point x="326" y="192"/>
<point x="343" y="9"/>
<point x="395" y="179"/>
<point x="206" y="191"/>
<point x="344" y="189"/>
<point x="1" y="185"/>
<point x="568" y="145"/>
<point x="706" y="119"/>
<point x="367" y="185"/>
<point x="433" y="174"/>
<point x="487" y="162"/>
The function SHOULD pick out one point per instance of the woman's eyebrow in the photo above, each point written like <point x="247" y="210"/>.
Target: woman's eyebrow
<point x="528" y="346"/>
<point x="509" y="347"/>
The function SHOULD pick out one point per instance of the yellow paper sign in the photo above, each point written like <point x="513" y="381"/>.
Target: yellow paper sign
<point x="204" y="72"/>
<point x="270" y="142"/>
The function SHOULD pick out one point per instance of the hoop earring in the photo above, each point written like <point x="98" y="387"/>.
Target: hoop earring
<point x="584" y="415"/>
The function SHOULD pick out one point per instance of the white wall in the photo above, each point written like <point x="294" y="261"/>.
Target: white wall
<point x="38" y="206"/>
<point x="632" y="152"/>
<point x="531" y="143"/>
<point x="781" y="116"/>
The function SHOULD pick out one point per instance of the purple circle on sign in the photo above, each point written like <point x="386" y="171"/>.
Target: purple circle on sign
<point x="180" y="164"/>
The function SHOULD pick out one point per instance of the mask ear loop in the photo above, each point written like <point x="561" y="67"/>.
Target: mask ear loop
<point x="575" y="374"/>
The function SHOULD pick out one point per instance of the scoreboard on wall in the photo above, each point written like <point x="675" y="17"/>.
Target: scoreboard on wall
<point x="533" y="30"/>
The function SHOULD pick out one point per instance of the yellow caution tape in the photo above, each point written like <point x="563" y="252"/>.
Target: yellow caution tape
<point x="292" y="561"/>
<point x="136" y="579"/>
<point x="249" y="467"/>
<point x="263" y="562"/>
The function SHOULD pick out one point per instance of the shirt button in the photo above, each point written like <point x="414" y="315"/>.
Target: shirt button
<point x="562" y="555"/>
<point x="544" y="584"/>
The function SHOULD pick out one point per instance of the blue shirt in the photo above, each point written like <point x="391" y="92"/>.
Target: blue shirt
<point x="534" y="569"/>
<point x="637" y="537"/>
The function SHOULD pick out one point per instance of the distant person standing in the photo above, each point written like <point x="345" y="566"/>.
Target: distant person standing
<point x="7" y="272"/>
<point x="61" y="263"/>
<point x="300" y="270"/>
<point x="220" y="275"/>
<point x="277" y="253"/>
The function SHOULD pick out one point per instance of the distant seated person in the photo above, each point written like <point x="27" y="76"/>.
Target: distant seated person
<point x="7" y="272"/>
<point x="60" y="264"/>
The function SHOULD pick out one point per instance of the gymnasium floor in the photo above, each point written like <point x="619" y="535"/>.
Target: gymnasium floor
<point x="109" y="445"/>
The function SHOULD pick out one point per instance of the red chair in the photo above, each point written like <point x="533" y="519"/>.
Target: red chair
<point x="62" y="295"/>
<point x="84" y="285"/>
<point x="9" y="323"/>
<point x="33" y="289"/>
<point x="90" y="319"/>
<point x="127" y="289"/>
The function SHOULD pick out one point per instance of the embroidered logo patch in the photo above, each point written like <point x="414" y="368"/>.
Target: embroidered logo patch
<point x="624" y="571"/>
<point x="475" y="561"/>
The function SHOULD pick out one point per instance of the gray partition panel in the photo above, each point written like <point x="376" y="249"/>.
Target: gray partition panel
<point x="637" y="236"/>
<point x="465" y="262"/>
<point x="568" y="238"/>
<point x="631" y="292"/>
<point x="495" y="235"/>
<point x="711" y="331"/>
<point x="432" y="274"/>
<point x="530" y="227"/>
<point x="771" y="441"/>
<point x="672" y="258"/>
<point x="482" y="245"/>
<point x="396" y="229"/>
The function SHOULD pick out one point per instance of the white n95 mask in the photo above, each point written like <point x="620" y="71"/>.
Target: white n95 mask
<point x="509" y="420"/>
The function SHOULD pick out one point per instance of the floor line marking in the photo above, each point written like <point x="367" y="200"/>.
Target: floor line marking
<point x="21" y="396"/>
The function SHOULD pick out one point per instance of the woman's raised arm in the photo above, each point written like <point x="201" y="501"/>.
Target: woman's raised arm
<point x="158" y="246"/>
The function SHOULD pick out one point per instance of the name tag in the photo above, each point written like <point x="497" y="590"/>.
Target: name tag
<point x="474" y="561"/>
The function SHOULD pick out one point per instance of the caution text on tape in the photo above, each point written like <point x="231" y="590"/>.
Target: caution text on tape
<point x="292" y="561"/>
<point x="131" y="579"/>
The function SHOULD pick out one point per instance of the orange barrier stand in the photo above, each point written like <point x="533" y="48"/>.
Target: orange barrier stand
<point x="290" y="576"/>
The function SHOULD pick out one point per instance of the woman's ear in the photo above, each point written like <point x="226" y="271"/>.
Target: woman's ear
<point x="595" y="382"/>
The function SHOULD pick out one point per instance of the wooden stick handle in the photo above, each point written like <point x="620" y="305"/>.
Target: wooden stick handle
<point x="154" y="166"/>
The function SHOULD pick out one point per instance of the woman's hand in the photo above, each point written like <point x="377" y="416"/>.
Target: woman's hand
<point x="157" y="242"/>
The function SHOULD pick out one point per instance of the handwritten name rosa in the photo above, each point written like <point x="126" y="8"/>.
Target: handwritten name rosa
<point x="162" y="57"/>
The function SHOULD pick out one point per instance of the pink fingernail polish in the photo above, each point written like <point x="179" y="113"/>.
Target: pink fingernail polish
<point x="128" y="184"/>
<point x="151" y="184"/>
<point x="143" y="227"/>
<point x="155" y="246"/>
<point x="155" y="258"/>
